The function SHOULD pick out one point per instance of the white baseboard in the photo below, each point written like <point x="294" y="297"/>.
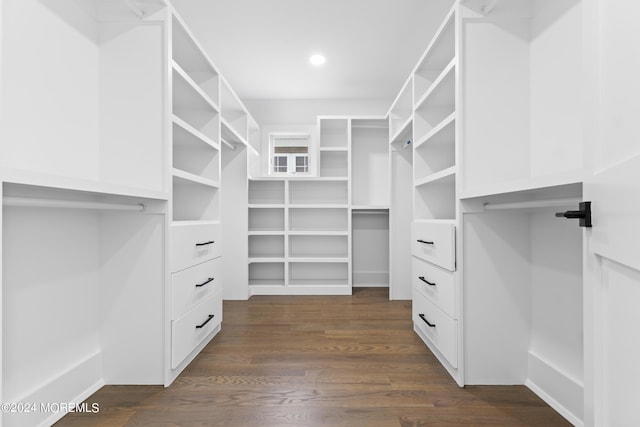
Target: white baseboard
<point x="301" y="290"/>
<point x="69" y="387"/>
<point x="556" y="388"/>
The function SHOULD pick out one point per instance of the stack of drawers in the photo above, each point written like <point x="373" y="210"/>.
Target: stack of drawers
<point x="434" y="290"/>
<point x="196" y="303"/>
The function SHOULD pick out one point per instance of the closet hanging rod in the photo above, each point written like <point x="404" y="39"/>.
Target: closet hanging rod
<point x="228" y="144"/>
<point x="69" y="204"/>
<point x="550" y="203"/>
<point x="370" y="212"/>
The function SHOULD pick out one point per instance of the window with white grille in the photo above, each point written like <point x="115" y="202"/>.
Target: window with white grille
<point x="289" y="153"/>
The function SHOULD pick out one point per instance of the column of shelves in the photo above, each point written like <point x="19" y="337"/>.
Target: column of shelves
<point x="299" y="236"/>
<point x="266" y="234"/>
<point x="318" y="254"/>
<point x="334" y="146"/>
<point x="434" y="94"/>
<point x="435" y="282"/>
<point x="195" y="130"/>
<point x="195" y="288"/>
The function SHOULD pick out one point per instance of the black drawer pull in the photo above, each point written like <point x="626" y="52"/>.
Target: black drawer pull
<point x="426" y="281"/>
<point x="210" y="242"/>
<point x="209" y="280"/>
<point x="200" y="326"/>
<point x="423" y="317"/>
<point x="425" y="242"/>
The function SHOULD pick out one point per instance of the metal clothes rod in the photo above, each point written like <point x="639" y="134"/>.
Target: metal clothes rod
<point x="356" y="212"/>
<point x="69" y="204"/>
<point x="228" y="144"/>
<point x="531" y="204"/>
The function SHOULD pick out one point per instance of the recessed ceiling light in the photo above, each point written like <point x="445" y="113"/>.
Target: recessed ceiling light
<point x="317" y="59"/>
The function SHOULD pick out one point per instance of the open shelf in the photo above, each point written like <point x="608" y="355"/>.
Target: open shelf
<point x="187" y="94"/>
<point x="310" y="219"/>
<point x="184" y="178"/>
<point x="439" y="54"/>
<point x="266" y="246"/>
<point x="194" y="154"/>
<point x="193" y="201"/>
<point x="401" y="110"/>
<point x="435" y="197"/>
<point x="230" y="134"/>
<point x="266" y="274"/>
<point x="318" y="273"/>
<point x="334" y="163"/>
<point x="318" y="192"/>
<point x="436" y="155"/>
<point x="190" y="57"/>
<point x="190" y="107"/>
<point x="234" y="114"/>
<point x="403" y="136"/>
<point x="436" y="105"/>
<point x="318" y="246"/>
<point x="266" y="192"/>
<point x="334" y="132"/>
<point x="266" y="219"/>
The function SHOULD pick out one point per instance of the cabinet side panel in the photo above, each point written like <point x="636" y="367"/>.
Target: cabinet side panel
<point x="131" y="105"/>
<point x="497" y="302"/>
<point x="50" y="79"/>
<point x="495" y="102"/>
<point x="556" y="88"/>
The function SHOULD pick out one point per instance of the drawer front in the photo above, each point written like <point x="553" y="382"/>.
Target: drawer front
<point x="192" y="328"/>
<point x="441" y="330"/>
<point x="434" y="243"/>
<point x="192" y="285"/>
<point x="194" y="243"/>
<point x="436" y="283"/>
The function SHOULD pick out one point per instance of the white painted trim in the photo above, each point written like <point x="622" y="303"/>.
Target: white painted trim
<point x="557" y="388"/>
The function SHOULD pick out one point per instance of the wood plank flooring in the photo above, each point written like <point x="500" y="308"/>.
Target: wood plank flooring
<point x="316" y="361"/>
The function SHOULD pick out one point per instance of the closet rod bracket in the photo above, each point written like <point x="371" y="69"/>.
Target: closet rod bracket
<point x="583" y="214"/>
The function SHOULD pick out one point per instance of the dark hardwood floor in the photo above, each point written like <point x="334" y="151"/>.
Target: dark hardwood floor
<point x="316" y="361"/>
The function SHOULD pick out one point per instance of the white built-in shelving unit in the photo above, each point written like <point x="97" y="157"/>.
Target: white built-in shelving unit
<point x="433" y="176"/>
<point x="195" y="235"/>
<point x="327" y="233"/>
<point x="299" y="236"/>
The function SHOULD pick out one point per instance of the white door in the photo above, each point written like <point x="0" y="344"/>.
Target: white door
<point x="612" y="250"/>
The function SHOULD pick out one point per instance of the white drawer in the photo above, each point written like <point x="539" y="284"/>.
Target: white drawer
<point x="434" y="243"/>
<point x="194" y="243"/>
<point x="189" y="330"/>
<point x="192" y="285"/>
<point x="441" y="330"/>
<point x="436" y="283"/>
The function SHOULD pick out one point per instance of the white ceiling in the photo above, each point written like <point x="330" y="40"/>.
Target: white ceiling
<point x="262" y="46"/>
